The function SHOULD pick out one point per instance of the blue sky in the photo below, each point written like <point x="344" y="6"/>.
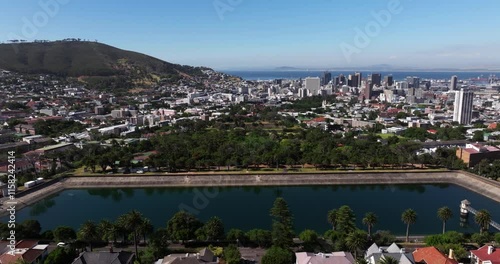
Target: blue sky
<point x="237" y="34"/>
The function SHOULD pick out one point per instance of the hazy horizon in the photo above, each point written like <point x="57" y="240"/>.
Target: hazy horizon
<point x="263" y="34"/>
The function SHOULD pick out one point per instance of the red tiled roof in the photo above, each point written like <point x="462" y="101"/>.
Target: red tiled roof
<point x="483" y="255"/>
<point x="7" y="258"/>
<point x="32" y="254"/>
<point x="430" y="255"/>
<point x="493" y="126"/>
<point x="26" y="243"/>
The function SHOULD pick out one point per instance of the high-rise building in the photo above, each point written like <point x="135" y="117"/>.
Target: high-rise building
<point x="359" y="77"/>
<point x="389" y="80"/>
<point x="462" y="112"/>
<point x="453" y="82"/>
<point x="303" y="92"/>
<point x="353" y="80"/>
<point x="376" y="79"/>
<point x="413" y="82"/>
<point x="342" y="79"/>
<point x="327" y="77"/>
<point x="368" y="90"/>
<point x="312" y="85"/>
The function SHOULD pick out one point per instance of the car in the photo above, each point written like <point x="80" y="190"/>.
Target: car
<point x="61" y="244"/>
<point x="140" y="171"/>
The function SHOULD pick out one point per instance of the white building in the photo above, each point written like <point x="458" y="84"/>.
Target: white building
<point x="462" y="112"/>
<point x="312" y="84"/>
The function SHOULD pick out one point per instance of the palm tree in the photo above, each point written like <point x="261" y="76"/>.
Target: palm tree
<point x="88" y="232"/>
<point x="133" y="222"/>
<point x="332" y="218"/>
<point x="409" y="217"/>
<point x="107" y="230"/>
<point x="388" y="260"/>
<point x="356" y="240"/>
<point x="483" y="219"/>
<point x="370" y="220"/>
<point x="146" y="228"/>
<point x="444" y="213"/>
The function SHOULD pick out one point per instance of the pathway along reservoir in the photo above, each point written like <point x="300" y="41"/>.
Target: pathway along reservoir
<point x="248" y="207"/>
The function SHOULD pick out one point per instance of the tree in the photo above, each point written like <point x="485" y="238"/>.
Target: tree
<point x="158" y="243"/>
<point x="356" y="241"/>
<point x="282" y="231"/>
<point x="213" y="229"/>
<point x="64" y="233"/>
<point x="133" y="222"/>
<point x="88" y="232"/>
<point x="232" y="254"/>
<point x="146" y="228"/>
<point x="29" y="229"/>
<point x="332" y="218"/>
<point x="444" y="213"/>
<point x="481" y="238"/>
<point x="388" y="260"/>
<point x="182" y="226"/>
<point x="383" y="238"/>
<point x="370" y="220"/>
<point x="346" y="220"/>
<point x="262" y="238"/>
<point x="60" y="256"/>
<point x="309" y="238"/>
<point x="409" y="217"/>
<point x="277" y="255"/>
<point x="483" y="219"/>
<point x="236" y="235"/>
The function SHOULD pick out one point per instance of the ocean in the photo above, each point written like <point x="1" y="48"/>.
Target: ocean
<point x="397" y="75"/>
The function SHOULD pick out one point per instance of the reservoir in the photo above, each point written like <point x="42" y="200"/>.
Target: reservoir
<point x="248" y="207"/>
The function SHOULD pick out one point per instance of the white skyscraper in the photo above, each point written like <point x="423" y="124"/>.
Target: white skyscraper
<point x="313" y="84"/>
<point x="462" y="112"/>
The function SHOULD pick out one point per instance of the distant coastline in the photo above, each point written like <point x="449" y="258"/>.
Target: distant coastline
<point x="397" y="74"/>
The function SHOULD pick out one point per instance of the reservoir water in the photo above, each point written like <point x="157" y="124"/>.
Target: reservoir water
<point x="248" y="207"/>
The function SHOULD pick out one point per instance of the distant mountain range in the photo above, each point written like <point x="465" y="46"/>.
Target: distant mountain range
<point x="84" y="59"/>
<point x="387" y="67"/>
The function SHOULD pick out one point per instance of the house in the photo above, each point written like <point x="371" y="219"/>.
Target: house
<point x="322" y="258"/>
<point x="375" y="253"/>
<point x="472" y="154"/>
<point x="485" y="255"/>
<point x="27" y="250"/>
<point x="430" y="255"/>
<point x="205" y="256"/>
<point x="105" y="258"/>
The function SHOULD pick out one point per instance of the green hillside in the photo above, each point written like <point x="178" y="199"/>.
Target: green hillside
<point x="89" y="59"/>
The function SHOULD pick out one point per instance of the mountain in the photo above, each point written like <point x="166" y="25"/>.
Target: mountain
<point x="84" y="59"/>
<point x="286" y="68"/>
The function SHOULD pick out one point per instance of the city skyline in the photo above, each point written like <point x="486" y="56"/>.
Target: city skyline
<point x="244" y="34"/>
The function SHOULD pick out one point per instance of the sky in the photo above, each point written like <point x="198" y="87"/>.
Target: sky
<point x="263" y="34"/>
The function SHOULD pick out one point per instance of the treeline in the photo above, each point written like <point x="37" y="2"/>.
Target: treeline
<point x="198" y="148"/>
<point x="54" y="128"/>
<point x="443" y="133"/>
<point x="133" y="229"/>
<point x="194" y="147"/>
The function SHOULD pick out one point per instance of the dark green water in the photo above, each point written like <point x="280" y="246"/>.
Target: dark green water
<point x="248" y="207"/>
